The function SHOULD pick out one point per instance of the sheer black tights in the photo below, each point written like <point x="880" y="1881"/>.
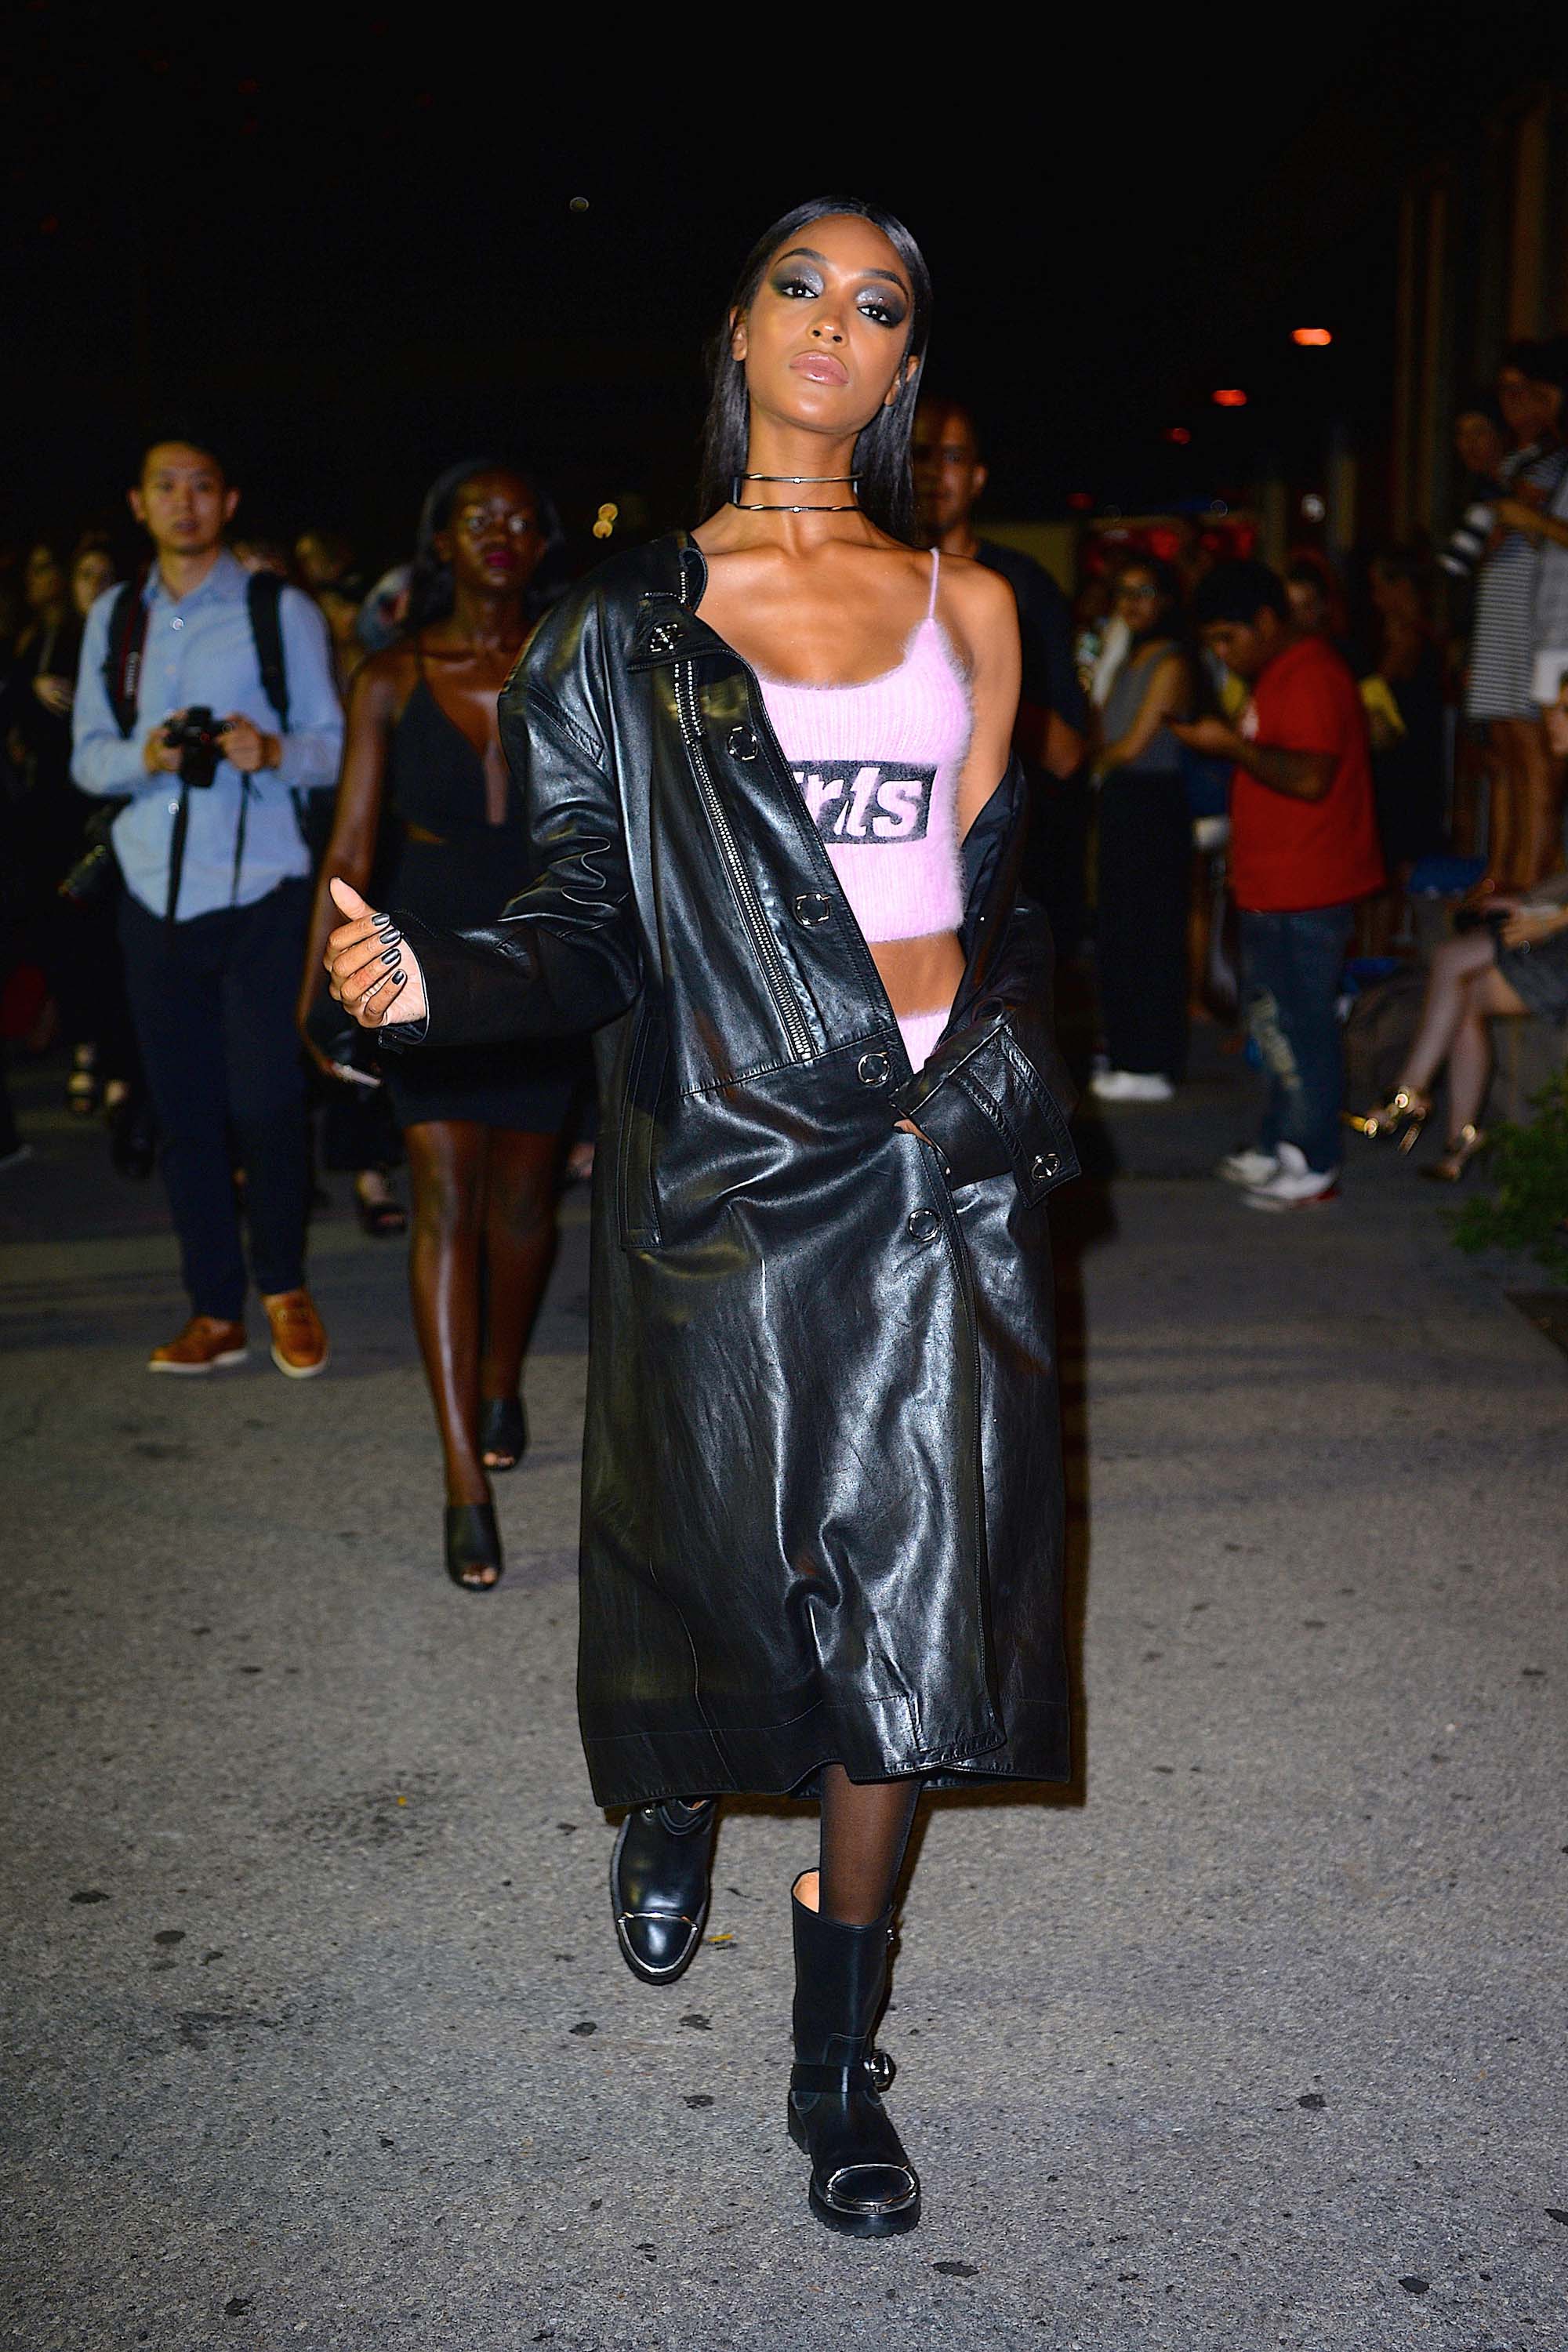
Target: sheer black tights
<point x="865" y="1829"/>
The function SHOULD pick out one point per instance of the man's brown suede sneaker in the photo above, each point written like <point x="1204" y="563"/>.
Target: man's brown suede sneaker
<point x="201" y="1346"/>
<point x="299" y="1341"/>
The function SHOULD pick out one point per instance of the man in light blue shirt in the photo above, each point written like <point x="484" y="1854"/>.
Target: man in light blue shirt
<point x="215" y="908"/>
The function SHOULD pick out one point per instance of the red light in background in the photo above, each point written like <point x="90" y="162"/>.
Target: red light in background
<point x="1081" y="501"/>
<point x="1178" y="433"/>
<point x="1313" y="338"/>
<point x="1229" y="397"/>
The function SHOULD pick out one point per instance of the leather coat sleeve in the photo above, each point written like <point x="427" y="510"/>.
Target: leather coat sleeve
<point x="995" y="1097"/>
<point x="562" y="958"/>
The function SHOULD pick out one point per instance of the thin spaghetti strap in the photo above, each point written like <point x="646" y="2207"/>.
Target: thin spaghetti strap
<point x="930" y="608"/>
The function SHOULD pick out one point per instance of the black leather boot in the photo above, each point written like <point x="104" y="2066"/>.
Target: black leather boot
<point x="862" y="2183"/>
<point x="660" y="1885"/>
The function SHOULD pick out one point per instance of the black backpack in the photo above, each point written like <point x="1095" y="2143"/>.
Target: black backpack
<point x="122" y="680"/>
<point x="127" y="635"/>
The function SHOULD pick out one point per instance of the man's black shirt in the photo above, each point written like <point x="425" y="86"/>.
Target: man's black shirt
<point x="1044" y="625"/>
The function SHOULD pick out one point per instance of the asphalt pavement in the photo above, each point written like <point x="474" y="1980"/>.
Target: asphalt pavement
<point x="316" y="2032"/>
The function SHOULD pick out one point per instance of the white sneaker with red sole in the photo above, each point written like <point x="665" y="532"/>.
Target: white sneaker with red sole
<point x="1248" y="1168"/>
<point x="1296" y="1186"/>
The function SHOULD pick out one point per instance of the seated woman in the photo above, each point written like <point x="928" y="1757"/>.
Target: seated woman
<point x="1513" y="965"/>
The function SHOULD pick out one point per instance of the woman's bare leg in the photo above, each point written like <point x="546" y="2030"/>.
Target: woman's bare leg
<point x="1457" y="965"/>
<point x="1541" y="798"/>
<point x="446" y="1168"/>
<point x="1501" y="804"/>
<point x="520" y="1248"/>
<point x="1471" y="1055"/>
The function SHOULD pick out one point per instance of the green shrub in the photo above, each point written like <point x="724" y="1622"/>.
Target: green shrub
<point x="1527" y="1168"/>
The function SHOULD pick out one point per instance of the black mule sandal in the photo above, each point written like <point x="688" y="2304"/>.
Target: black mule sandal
<point x="473" y="1545"/>
<point x="503" y="1430"/>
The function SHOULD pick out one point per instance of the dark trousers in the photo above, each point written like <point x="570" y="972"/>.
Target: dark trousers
<point x="1056" y="854"/>
<point x="213" y="1001"/>
<point x="1291" y="966"/>
<point x="1140" y="929"/>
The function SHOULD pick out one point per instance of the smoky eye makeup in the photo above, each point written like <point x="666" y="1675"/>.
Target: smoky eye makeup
<point x="792" y="282"/>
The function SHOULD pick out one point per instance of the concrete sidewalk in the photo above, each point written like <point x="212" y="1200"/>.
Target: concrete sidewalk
<point x="316" y="2031"/>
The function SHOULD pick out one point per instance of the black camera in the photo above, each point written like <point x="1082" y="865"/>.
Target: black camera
<point x="198" y="739"/>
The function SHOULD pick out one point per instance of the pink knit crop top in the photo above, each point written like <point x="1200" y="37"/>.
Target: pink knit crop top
<point x="879" y="766"/>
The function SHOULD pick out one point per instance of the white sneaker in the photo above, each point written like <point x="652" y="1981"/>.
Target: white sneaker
<point x="1296" y="1186"/>
<point x="1131" y="1086"/>
<point x="1248" y="1168"/>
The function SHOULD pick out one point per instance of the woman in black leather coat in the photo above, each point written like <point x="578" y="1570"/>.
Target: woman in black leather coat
<point x="822" y="1505"/>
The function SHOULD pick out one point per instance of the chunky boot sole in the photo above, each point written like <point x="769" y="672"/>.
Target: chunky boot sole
<point x="892" y="2222"/>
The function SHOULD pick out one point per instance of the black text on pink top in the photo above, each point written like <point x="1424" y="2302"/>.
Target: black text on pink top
<point x="867" y="800"/>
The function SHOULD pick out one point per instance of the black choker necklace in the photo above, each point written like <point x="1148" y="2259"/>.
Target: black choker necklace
<point x="851" y="482"/>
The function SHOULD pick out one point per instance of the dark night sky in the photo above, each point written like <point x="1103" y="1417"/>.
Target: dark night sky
<point x="354" y="256"/>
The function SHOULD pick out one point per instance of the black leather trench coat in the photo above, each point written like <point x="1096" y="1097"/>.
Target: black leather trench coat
<point x="822" y="1498"/>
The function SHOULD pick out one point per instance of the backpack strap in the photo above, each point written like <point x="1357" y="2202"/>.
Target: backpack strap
<point x="123" y="659"/>
<point x="264" y="597"/>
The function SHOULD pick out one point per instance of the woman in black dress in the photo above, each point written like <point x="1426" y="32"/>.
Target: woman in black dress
<point x="821" y="1501"/>
<point x="481" y="1127"/>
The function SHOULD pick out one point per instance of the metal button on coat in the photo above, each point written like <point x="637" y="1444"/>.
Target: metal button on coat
<point x="872" y="1069"/>
<point x="1045" y="1164"/>
<point x="742" y="743"/>
<point x="924" y="1224"/>
<point x="811" y="908"/>
<point x="661" y="639"/>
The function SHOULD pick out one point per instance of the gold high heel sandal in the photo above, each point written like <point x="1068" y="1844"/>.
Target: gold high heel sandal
<point x="1454" y="1165"/>
<point x="1401" y="1118"/>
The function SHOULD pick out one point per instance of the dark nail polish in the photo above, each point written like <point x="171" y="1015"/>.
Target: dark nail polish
<point x="390" y="955"/>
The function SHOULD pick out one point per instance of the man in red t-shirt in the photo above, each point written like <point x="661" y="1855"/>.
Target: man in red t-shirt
<point x="1303" y="849"/>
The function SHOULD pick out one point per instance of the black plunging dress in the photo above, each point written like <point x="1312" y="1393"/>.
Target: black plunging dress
<point x="436" y="781"/>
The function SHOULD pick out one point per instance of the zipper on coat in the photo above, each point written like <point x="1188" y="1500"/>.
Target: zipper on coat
<point x="752" y="910"/>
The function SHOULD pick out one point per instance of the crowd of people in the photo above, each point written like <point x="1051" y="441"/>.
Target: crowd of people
<point x="1234" y="775"/>
<point x="180" y="770"/>
<point x="1351" y="740"/>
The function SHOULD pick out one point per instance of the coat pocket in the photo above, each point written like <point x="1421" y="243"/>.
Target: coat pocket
<point x="989" y="1112"/>
<point x="636" y="1198"/>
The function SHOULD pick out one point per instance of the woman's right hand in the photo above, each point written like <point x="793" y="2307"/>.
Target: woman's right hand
<point x="375" y="975"/>
<point x="1533" y="929"/>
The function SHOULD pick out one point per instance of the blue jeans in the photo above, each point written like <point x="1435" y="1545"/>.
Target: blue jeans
<point x="1291" y="977"/>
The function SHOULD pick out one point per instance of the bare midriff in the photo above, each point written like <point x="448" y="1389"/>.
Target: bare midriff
<point x="919" y="975"/>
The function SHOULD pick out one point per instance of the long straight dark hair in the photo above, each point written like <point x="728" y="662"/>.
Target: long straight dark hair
<point x="887" y="491"/>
